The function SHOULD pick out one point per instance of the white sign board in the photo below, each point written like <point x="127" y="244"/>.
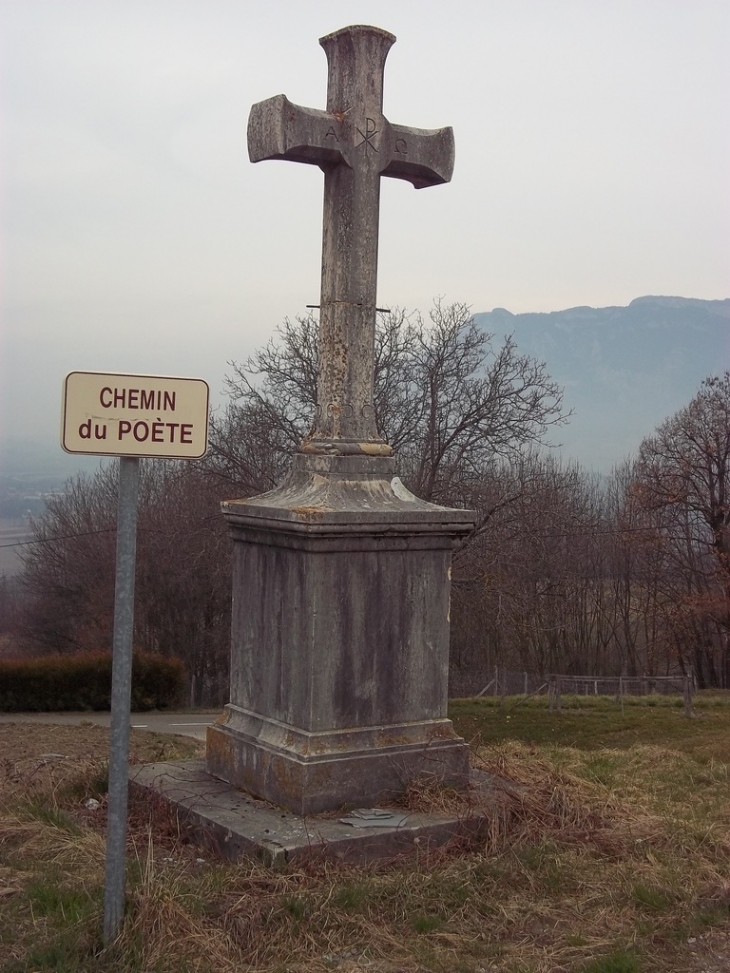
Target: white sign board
<point x="135" y="415"/>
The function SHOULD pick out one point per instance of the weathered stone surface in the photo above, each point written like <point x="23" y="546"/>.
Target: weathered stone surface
<point x="235" y="825"/>
<point x="355" y="145"/>
<point x="341" y="587"/>
<point x="339" y="665"/>
<point x="308" y="773"/>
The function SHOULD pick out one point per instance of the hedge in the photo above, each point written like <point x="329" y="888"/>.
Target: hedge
<point x="83" y="682"/>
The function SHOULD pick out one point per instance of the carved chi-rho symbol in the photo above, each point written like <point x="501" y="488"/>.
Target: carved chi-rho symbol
<point x="369" y="134"/>
<point x="354" y="144"/>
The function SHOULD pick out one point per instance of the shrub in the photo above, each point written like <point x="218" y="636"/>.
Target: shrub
<point x="83" y="682"/>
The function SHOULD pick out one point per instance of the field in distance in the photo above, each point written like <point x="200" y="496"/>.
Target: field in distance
<point x="594" y="722"/>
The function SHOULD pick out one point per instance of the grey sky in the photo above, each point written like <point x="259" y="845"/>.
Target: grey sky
<point x="592" y="152"/>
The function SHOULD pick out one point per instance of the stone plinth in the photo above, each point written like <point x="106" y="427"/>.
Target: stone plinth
<point x="340" y="639"/>
<point x="234" y="825"/>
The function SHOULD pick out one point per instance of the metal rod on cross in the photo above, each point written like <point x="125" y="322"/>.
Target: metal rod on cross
<point x="354" y="144"/>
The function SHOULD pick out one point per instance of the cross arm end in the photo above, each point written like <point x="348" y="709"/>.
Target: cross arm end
<point x="279" y="129"/>
<point x="423" y="157"/>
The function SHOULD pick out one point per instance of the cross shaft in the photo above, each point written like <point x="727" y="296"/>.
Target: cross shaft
<point x="355" y="145"/>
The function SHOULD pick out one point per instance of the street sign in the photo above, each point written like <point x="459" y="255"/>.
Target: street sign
<point x="110" y="414"/>
<point x="132" y="417"/>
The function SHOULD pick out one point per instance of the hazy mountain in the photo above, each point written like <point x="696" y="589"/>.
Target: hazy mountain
<point x="624" y="369"/>
<point x="40" y="457"/>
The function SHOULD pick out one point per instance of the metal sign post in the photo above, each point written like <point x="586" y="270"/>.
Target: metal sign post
<point x="128" y="416"/>
<point x="116" y="838"/>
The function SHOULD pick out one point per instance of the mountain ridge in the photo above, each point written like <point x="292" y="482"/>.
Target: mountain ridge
<point x="624" y="369"/>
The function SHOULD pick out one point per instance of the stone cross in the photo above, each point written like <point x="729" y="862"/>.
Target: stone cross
<point x="354" y="144"/>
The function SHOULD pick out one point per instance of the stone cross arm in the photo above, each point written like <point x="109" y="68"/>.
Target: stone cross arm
<point x="279" y="129"/>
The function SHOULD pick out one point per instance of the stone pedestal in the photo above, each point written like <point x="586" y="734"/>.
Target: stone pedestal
<point x="340" y="639"/>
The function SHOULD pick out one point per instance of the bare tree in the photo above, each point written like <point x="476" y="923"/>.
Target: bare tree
<point x="683" y="476"/>
<point x="273" y="396"/>
<point x="68" y="576"/>
<point x="10" y="602"/>
<point x="527" y="591"/>
<point x="183" y="576"/>
<point x="447" y="398"/>
<point x="455" y="405"/>
<point x="182" y="598"/>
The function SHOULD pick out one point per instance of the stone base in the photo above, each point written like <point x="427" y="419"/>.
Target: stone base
<point x="309" y="772"/>
<point x="339" y="639"/>
<point x="234" y="825"/>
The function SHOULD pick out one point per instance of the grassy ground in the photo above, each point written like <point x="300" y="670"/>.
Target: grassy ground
<point x="610" y="853"/>
<point x="596" y="722"/>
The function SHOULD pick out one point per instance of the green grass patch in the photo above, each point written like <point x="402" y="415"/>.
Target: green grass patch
<point x="618" y="962"/>
<point x="426" y="924"/>
<point x="52" y="815"/>
<point x="65" y="905"/>
<point x="352" y="898"/>
<point x="597" y="722"/>
<point x="296" y="907"/>
<point x="652" y="899"/>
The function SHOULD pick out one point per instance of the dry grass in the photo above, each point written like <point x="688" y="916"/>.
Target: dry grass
<point x="603" y="861"/>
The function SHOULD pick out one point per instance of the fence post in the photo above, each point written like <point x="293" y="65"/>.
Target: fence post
<point x="486" y="688"/>
<point x="687" y="697"/>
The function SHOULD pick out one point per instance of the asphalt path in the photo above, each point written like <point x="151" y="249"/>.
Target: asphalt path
<point x="185" y="724"/>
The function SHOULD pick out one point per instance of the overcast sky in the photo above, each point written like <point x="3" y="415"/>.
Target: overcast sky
<point x="592" y="161"/>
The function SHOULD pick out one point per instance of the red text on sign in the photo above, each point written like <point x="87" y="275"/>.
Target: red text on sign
<point x="156" y="432"/>
<point x="153" y="400"/>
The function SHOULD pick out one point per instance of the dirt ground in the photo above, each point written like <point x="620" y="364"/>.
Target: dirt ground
<point x="34" y="756"/>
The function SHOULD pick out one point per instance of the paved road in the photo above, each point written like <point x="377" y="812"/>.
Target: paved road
<point x="186" y="724"/>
